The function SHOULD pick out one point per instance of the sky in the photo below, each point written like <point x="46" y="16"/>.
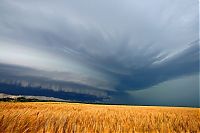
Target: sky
<point x="120" y="52"/>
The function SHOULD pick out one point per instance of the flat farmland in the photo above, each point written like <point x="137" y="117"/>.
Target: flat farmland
<point x="60" y="117"/>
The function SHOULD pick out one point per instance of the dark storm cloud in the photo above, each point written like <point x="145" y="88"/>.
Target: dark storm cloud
<point x="185" y="62"/>
<point x="99" y="45"/>
<point x="27" y="77"/>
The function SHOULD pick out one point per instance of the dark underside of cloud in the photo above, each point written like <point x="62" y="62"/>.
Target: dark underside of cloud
<point x="39" y="83"/>
<point x="96" y="50"/>
<point x="36" y="91"/>
<point x="184" y="63"/>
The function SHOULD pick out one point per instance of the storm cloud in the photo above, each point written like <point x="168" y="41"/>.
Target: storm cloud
<point x="99" y="48"/>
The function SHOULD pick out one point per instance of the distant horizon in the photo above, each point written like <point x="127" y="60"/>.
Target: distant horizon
<point x="53" y="99"/>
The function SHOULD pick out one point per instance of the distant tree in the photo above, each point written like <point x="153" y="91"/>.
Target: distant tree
<point x="21" y="99"/>
<point x="6" y="99"/>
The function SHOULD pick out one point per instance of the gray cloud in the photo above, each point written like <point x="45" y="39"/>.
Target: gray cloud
<point x="185" y="62"/>
<point x="102" y="45"/>
<point x="27" y="77"/>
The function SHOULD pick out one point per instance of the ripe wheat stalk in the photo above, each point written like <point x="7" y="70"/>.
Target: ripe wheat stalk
<point x="88" y="118"/>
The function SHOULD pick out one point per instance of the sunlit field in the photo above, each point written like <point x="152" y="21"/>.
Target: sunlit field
<point x="88" y="118"/>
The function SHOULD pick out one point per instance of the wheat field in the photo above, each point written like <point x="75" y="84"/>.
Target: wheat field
<point x="56" y="117"/>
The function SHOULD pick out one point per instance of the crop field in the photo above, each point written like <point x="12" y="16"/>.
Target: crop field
<point x="50" y="117"/>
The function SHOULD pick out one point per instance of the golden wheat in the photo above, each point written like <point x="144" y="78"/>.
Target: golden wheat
<point x="89" y="118"/>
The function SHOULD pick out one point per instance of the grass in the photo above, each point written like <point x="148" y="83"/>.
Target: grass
<point x="88" y="118"/>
